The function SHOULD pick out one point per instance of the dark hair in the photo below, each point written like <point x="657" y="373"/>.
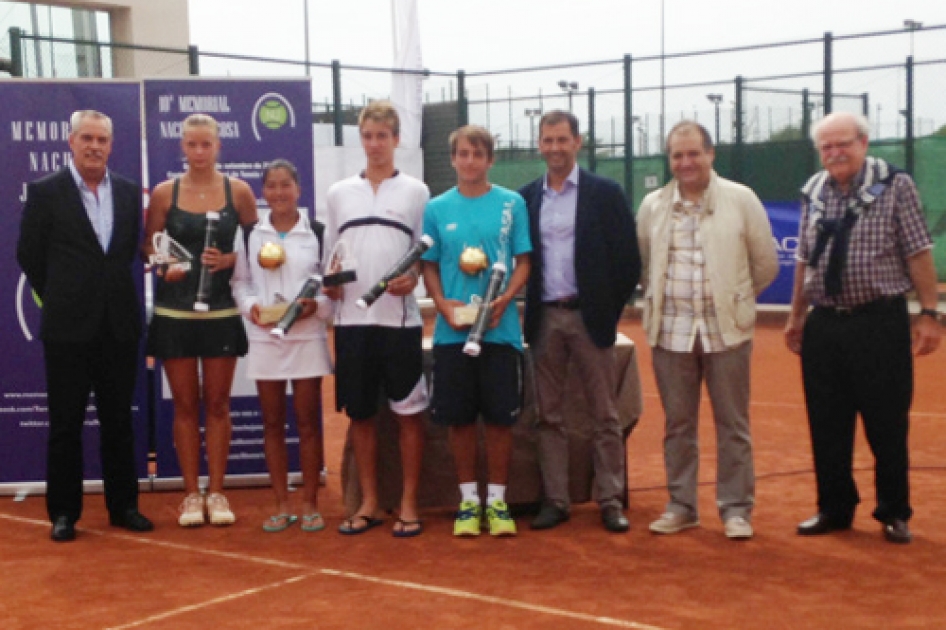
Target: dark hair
<point x="690" y="125"/>
<point x="284" y="164"/>
<point x="557" y="116"/>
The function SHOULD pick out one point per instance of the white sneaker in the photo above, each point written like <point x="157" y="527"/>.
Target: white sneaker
<point x="671" y="523"/>
<point x="218" y="509"/>
<point x="192" y="511"/>
<point x="738" y="528"/>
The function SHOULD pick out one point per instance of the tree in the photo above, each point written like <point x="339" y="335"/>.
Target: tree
<point x="786" y="133"/>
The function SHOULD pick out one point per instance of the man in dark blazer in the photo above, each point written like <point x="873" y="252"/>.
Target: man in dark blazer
<point x="79" y="236"/>
<point x="585" y="265"/>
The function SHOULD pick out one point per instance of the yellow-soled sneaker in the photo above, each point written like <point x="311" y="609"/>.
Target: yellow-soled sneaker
<point x="468" y="519"/>
<point x="500" y="520"/>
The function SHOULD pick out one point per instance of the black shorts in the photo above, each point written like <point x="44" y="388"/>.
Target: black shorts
<point x="465" y="387"/>
<point x="372" y="359"/>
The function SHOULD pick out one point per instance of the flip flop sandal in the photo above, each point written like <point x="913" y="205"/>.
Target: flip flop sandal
<point x="312" y="522"/>
<point x="279" y="522"/>
<point x="418" y="529"/>
<point x="348" y="526"/>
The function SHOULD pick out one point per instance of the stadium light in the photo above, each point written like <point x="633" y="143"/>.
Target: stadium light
<point x="569" y="87"/>
<point x="716" y="99"/>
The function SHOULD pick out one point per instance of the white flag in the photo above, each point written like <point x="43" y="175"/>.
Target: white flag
<point x="406" y="87"/>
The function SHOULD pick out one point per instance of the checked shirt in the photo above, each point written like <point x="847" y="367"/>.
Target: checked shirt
<point x="887" y="233"/>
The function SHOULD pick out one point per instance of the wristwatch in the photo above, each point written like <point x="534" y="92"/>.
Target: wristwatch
<point x="930" y="312"/>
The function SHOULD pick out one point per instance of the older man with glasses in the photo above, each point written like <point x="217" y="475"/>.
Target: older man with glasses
<point x="863" y="244"/>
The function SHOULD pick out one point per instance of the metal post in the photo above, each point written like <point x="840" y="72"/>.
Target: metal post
<point x="806" y="129"/>
<point x="592" y="146"/>
<point x="628" y="133"/>
<point x="828" y="70"/>
<point x="865" y="104"/>
<point x="16" y="52"/>
<point x="908" y="114"/>
<point x="738" y="124"/>
<point x="337" y="103"/>
<point x="305" y="26"/>
<point x="463" y="113"/>
<point x="193" y="61"/>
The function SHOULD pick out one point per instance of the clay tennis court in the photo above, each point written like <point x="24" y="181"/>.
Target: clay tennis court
<point x="576" y="576"/>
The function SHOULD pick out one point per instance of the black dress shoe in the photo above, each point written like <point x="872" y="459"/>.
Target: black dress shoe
<point x="822" y="523"/>
<point x="896" y="531"/>
<point x="64" y="529"/>
<point x="549" y="516"/>
<point x="614" y="520"/>
<point x="132" y="520"/>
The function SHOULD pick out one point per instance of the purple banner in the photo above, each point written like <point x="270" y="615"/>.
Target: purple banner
<point x="34" y="130"/>
<point x="784" y="217"/>
<point x="259" y="122"/>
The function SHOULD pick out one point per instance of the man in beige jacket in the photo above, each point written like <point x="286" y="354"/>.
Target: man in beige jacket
<point x="707" y="251"/>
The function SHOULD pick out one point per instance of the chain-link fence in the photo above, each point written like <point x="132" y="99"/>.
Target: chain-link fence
<point x="758" y="102"/>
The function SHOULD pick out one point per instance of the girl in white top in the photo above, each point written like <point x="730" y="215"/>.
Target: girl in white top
<point x="302" y="356"/>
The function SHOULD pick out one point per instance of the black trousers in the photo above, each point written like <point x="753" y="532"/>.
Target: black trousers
<point x="107" y="368"/>
<point x="859" y="362"/>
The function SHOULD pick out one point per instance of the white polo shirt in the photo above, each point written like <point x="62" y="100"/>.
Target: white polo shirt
<point x="378" y="229"/>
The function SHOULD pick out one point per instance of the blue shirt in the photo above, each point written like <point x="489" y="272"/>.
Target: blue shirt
<point x="557" y="226"/>
<point x="98" y="205"/>
<point x="497" y="222"/>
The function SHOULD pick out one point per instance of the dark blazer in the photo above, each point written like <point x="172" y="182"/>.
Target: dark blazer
<point x="607" y="260"/>
<point x="80" y="285"/>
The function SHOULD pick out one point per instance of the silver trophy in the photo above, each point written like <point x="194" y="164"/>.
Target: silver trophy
<point x="341" y="267"/>
<point x="169" y="252"/>
<point x="400" y="268"/>
<point x="472" y="346"/>
<point x="206" y="275"/>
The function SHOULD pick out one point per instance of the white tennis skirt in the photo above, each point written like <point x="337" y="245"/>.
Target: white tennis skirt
<point x="287" y="359"/>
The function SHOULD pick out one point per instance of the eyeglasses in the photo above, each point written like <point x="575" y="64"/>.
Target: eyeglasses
<point x="843" y="146"/>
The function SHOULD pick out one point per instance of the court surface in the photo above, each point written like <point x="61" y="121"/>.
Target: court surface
<point x="575" y="576"/>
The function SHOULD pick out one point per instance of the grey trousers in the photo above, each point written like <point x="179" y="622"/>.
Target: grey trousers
<point x="679" y="376"/>
<point x="563" y="339"/>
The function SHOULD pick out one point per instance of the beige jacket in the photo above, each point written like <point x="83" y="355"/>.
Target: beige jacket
<point x="739" y="250"/>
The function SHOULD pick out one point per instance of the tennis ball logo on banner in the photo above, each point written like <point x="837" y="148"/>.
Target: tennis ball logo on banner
<point x="271" y="113"/>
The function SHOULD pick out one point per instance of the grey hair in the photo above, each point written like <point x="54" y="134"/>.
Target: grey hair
<point x="860" y="123"/>
<point x="75" y="121"/>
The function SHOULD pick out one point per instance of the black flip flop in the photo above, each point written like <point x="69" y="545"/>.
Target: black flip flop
<point x="348" y="525"/>
<point x="408" y="533"/>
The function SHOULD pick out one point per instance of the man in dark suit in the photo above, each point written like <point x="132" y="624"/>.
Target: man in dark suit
<point x="585" y="265"/>
<point x="78" y="239"/>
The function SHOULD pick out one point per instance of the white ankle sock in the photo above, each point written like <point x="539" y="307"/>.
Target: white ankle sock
<point x="470" y="492"/>
<point x="495" y="492"/>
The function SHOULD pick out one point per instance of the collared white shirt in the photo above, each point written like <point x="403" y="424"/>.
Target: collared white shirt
<point x="688" y="307"/>
<point x="98" y="205"/>
<point x="557" y="226"/>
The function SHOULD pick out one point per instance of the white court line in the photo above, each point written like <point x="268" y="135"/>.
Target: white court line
<point x="499" y="601"/>
<point x="436" y="590"/>
<point x="210" y="602"/>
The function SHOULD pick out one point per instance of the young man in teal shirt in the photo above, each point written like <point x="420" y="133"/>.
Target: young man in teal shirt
<point x="475" y="225"/>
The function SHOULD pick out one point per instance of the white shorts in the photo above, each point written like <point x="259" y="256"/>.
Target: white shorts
<point x="287" y="359"/>
<point x="416" y="401"/>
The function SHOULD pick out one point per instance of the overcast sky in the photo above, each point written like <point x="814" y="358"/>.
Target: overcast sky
<point x="483" y="35"/>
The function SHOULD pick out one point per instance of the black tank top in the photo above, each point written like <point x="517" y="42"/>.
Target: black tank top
<point x="188" y="229"/>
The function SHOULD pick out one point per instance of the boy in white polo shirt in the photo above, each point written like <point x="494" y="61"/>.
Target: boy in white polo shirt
<point x="379" y="216"/>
